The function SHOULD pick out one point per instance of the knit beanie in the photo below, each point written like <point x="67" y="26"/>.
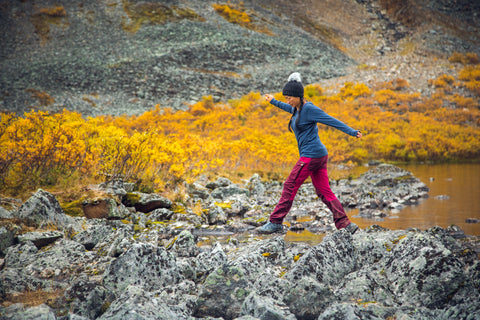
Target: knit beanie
<point x="294" y="87"/>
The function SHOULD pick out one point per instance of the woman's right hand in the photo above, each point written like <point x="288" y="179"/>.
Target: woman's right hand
<point x="268" y="97"/>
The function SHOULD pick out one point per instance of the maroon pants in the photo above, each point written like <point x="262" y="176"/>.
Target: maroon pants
<point x="316" y="168"/>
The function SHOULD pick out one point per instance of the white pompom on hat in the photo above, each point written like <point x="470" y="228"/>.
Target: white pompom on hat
<point x="294" y="87"/>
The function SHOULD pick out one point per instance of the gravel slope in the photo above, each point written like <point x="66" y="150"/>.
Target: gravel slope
<point x="88" y="62"/>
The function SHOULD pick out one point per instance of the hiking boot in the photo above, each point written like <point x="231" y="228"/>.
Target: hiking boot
<point x="352" y="228"/>
<point x="270" y="227"/>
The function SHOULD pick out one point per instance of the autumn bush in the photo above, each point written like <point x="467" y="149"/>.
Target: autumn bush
<point x="161" y="148"/>
<point x="235" y="13"/>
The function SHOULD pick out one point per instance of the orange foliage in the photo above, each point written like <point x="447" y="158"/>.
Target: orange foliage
<point x="240" y="137"/>
<point x="236" y="14"/>
<point x="54" y="11"/>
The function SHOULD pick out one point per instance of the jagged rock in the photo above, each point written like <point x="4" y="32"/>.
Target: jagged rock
<point x="137" y="303"/>
<point x="307" y="298"/>
<point x="43" y="209"/>
<point x="115" y="243"/>
<point x="265" y="308"/>
<point x="384" y="186"/>
<point x="184" y="245"/>
<point x="329" y="261"/>
<point x="216" y="215"/>
<point x="93" y="235"/>
<point x="375" y="311"/>
<point x="40" y="239"/>
<point x="27" y="268"/>
<point x="228" y="191"/>
<point x="146" y="202"/>
<point x="117" y="187"/>
<point x="219" y="183"/>
<point x="7" y="239"/>
<point x="237" y="205"/>
<point x="161" y="214"/>
<point x="255" y="186"/>
<point x="5" y="214"/>
<point x="105" y="208"/>
<point x="208" y="261"/>
<point x="423" y="271"/>
<point x="223" y="293"/>
<point x="181" y="297"/>
<point x="196" y="190"/>
<point x="84" y="298"/>
<point x="20" y="312"/>
<point x="142" y="265"/>
<point x="20" y="254"/>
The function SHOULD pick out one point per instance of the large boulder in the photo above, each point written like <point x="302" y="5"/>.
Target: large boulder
<point x="146" y="202"/>
<point x="93" y="235"/>
<point x="328" y="262"/>
<point x="137" y="303"/>
<point x="144" y="265"/>
<point x="43" y="210"/>
<point x="223" y="293"/>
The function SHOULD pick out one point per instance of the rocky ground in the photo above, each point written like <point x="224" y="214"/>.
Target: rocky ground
<point x="146" y="257"/>
<point x="113" y="57"/>
<point x="141" y="256"/>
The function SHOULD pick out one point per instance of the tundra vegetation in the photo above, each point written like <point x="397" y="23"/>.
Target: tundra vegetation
<point x="160" y="148"/>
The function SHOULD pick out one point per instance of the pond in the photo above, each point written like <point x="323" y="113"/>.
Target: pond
<point x="454" y="197"/>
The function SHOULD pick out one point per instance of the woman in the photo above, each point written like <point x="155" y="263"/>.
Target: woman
<point x="313" y="156"/>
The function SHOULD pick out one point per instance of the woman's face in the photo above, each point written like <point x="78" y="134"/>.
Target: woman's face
<point x="293" y="101"/>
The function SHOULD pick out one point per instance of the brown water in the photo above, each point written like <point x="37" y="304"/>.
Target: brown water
<point x="460" y="182"/>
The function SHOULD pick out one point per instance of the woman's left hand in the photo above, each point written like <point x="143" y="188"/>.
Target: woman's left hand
<point x="359" y="134"/>
<point x="268" y="97"/>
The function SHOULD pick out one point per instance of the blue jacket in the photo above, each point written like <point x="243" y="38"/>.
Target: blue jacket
<point x="306" y="133"/>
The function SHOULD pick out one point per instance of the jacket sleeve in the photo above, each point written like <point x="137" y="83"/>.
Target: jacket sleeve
<point x="282" y="105"/>
<point x="318" y="115"/>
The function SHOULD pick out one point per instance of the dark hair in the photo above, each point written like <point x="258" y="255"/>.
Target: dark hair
<point x="302" y="102"/>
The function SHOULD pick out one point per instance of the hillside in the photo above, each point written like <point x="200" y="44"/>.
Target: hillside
<point x="124" y="57"/>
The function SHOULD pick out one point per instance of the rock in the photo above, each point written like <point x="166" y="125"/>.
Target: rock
<point x="472" y="220"/>
<point x="196" y="190"/>
<point x="384" y="186"/>
<point x="265" y="308"/>
<point x="5" y="214"/>
<point x="255" y="186"/>
<point x="307" y="298"/>
<point x="40" y="239"/>
<point x="85" y="298"/>
<point x="216" y="215"/>
<point x="93" y="235"/>
<point x="423" y="271"/>
<point x="228" y="191"/>
<point x="219" y="183"/>
<point x="142" y="265"/>
<point x="136" y="303"/>
<point x="375" y="311"/>
<point x="145" y="202"/>
<point x="105" y="208"/>
<point x="329" y="261"/>
<point x="208" y="261"/>
<point x="115" y="243"/>
<point x="161" y="214"/>
<point x="27" y="268"/>
<point x="18" y="311"/>
<point x="184" y="245"/>
<point x="223" y="293"/>
<point x="43" y="209"/>
<point x="7" y="239"/>
<point x="117" y="187"/>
